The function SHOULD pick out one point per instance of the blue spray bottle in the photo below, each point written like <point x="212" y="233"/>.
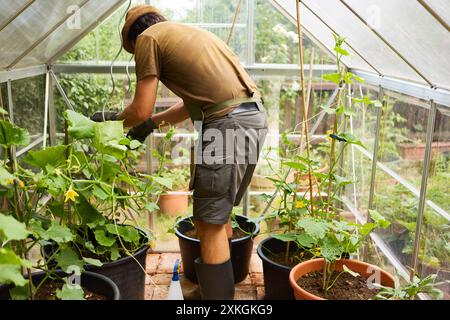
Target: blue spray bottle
<point x="175" y="292"/>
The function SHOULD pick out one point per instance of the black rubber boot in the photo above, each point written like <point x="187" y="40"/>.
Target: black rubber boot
<point x="216" y="281"/>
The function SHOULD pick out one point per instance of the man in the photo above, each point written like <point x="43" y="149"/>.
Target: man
<point x="219" y="96"/>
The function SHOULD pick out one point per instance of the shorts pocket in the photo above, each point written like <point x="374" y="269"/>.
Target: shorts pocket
<point x="212" y="180"/>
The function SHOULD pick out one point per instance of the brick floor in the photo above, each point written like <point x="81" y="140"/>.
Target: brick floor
<point x="167" y="262"/>
<point x="159" y="274"/>
<point x="153" y="260"/>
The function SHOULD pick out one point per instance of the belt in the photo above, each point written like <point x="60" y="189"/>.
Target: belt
<point x="200" y="113"/>
<point x="245" y="107"/>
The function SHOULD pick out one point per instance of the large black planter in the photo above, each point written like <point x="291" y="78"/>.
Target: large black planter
<point x="276" y="276"/>
<point x="126" y="272"/>
<point x="94" y="282"/>
<point x="241" y="251"/>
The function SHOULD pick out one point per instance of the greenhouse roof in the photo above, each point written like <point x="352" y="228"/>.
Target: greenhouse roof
<point x="37" y="32"/>
<point x="403" y="39"/>
<point x="406" y="40"/>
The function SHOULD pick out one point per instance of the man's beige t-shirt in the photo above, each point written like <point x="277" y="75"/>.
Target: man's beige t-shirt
<point x="193" y="63"/>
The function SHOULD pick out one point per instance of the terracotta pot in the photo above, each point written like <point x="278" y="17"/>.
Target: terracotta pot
<point x="348" y="215"/>
<point x="364" y="269"/>
<point x="303" y="180"/>
<point x="260" y="182"/>
<point x="173" y="204"/>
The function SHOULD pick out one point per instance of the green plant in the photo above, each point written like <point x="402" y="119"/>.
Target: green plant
<point x="91" y="191"/>
<point x="18" y="227"/>
<point x="178" y="176"/>
<point x="410" y="290"/>
<point x="313" y="223"/>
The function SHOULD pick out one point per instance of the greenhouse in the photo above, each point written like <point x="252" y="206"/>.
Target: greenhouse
<point x="339" y="112"/>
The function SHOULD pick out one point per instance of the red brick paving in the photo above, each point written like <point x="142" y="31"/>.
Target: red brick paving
<point x="159" y="273"/>
<point x="152" y="263"/>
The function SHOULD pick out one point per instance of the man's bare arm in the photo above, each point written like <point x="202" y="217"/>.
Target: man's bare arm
<point x="143" y="103"/>
<point x="173" y="115"/>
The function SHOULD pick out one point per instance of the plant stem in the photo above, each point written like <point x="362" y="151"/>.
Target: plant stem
<point x="324" y="276"/>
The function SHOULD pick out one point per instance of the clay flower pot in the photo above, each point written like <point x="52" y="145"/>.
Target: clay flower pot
<point x="303" y="180"/>
<point x="260" y="182"/>
<point x="173" y="205"/>
<point x="365" y="270"/>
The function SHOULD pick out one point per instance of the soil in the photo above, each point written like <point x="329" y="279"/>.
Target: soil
<point x="294" y="258"/>
<point x="237" y="234"/>
<point x="346" y="287"/>
<point x="48" y="292"/>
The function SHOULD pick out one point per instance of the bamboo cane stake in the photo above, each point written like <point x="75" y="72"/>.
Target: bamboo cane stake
<point x="233" y="24"/>
<point x="305" y="109"/>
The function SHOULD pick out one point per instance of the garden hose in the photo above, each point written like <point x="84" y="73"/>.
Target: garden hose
<point x="115" y="59"/>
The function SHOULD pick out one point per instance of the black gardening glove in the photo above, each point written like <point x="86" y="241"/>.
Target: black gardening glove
<point x="141" y="131"/>
<point x="101" y="116"/>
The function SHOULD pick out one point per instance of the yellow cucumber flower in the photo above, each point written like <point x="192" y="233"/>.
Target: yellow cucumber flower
<point x="300" y="204"/>
<point x="70" y="195"/>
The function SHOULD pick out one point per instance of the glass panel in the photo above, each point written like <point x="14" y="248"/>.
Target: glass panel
<point x="362" y="39"/>
<point x="442" y="8"/>
<point x="403" y="135"/>
<point x="439" y="178"/>
<point x="399" y="206"/>
<point x="320" y="32"/>
<point x="434" y="253"/>
<point x="28" y="102"/>
<point x="434" y="256"/>
<point x="91" y="92"/>
<point x="271" y="29"/>
<point x="414" y="33"/>
<point x="357" y="165"/>
<point x="215" y="16"/>
<point x="9" y="9"/>
<point x="30" y="26"/>
<point x="171" y="206"/>
<point x="90" y="13"/>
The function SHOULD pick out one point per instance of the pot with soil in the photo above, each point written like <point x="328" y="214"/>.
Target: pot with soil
<point x="95" y="286"/>
<point x="242" y="245"/>
<point x="276" y="267"/>
<point x="127" y="272"/>
<point x="306" y="280"/>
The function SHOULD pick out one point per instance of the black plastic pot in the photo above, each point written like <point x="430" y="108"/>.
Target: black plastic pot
<point x="276" y="276"/>
<point x="126" y="272"/>
<point x="241" y="251"/>
<point x="94" y="282"/>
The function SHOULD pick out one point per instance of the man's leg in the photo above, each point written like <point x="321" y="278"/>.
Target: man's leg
<point x="229" y="229"/>
<point x="214" y="268"/>
<point x="213" y="242"/>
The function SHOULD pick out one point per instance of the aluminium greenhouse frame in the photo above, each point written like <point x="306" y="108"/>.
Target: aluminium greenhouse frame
<point x="433" y="94"/>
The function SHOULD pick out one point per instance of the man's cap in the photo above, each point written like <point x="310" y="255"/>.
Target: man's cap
<point x="132" y="15"/>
